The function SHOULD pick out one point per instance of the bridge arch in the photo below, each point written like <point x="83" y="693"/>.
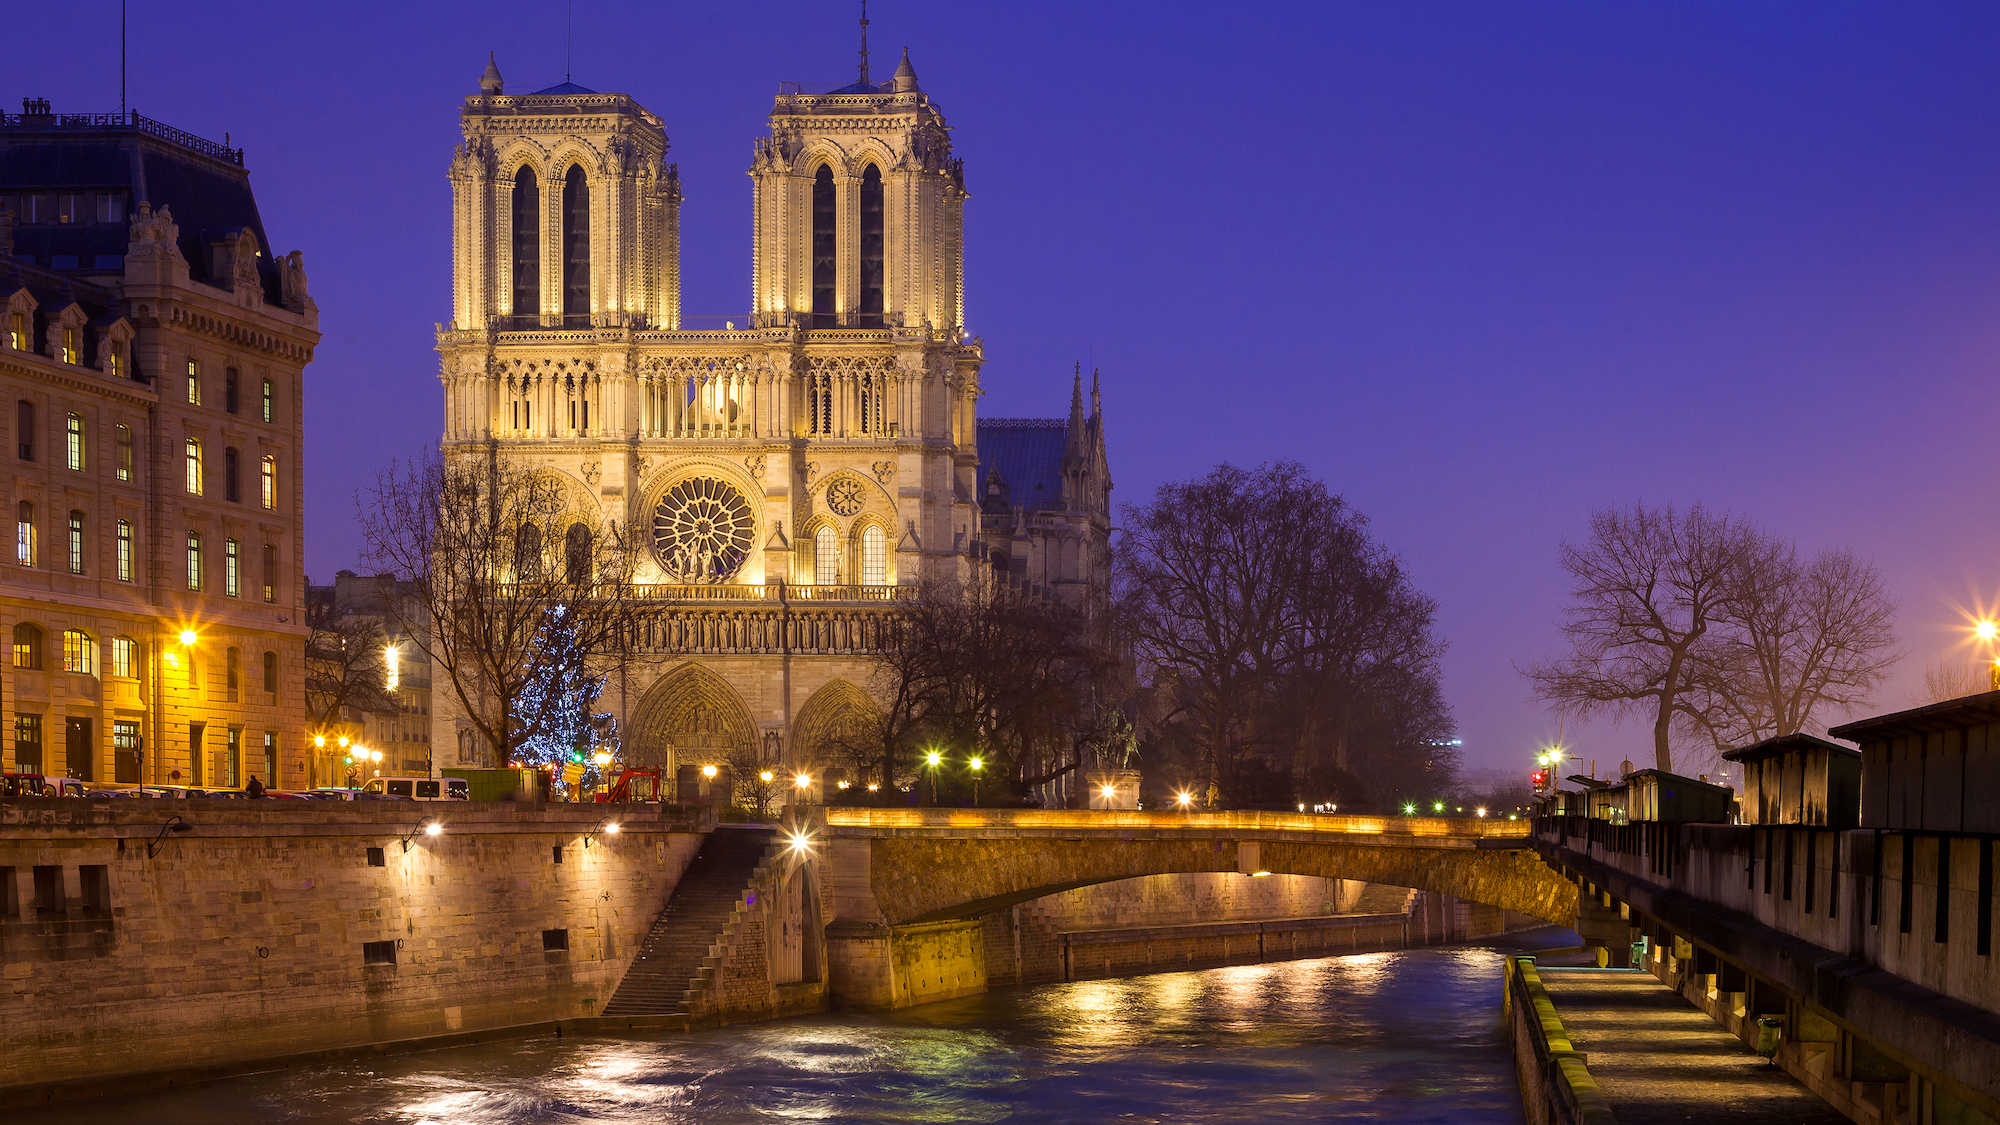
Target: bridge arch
<point x="930" y="876"/>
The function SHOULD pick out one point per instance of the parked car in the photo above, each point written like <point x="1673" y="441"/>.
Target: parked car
<point x="337" y="793"/>
<point x="36" y="785"/>
<point x="419" y="788"/>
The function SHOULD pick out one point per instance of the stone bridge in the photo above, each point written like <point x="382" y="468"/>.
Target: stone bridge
<point x="895" y="875"/>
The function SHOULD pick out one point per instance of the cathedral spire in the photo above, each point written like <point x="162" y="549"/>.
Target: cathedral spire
<point x="1075" y="441"/>
<point x="1096" y="394"/>
<point x="864" y="43"/>
<point x="489" y="82"/>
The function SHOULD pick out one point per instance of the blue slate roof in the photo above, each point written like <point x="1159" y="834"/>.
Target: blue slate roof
<point x="1029" y="453"/>
<point x="566" y="88"/>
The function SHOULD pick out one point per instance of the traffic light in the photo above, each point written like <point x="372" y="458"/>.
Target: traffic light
<point x="1538" y="777"/>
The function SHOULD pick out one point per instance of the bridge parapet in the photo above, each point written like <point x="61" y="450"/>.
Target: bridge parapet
<point x="1406" y="831"/>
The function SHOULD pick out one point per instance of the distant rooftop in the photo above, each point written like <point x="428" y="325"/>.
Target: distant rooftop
<point x="36" y="118"/>
<point x="565" y="87"/>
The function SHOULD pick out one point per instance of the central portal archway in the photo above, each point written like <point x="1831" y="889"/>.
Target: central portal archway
<point x="690" y="716"/>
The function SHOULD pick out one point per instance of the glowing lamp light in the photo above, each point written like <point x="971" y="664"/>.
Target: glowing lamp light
<point x="1184" y="798"/>
<point x="1437" y="806"/>
<point x="611" y="830"/>
<point x="803" y="781"/>
<point x="1409" y="810"/>
<point x="602" y="758"/>
<point x="842" y="784"/>
<point x="1259" y="874"/>
<point x="1987" y="630"/>
<point x="433" y="828"/>
<point x="873" y="786"/>
<point x="1108" y="792"/>
<point x="188" y="637"/>
<point x="319" y="740"/>
<point x="766" y="776"/>
<point x="343" y="741"/>
<point x="708" y="772"/>
<point x="933" y="758"/>
<point x="1481" y="811"/>
<point x="978" y="764"/>
<point x="800" y="841"/>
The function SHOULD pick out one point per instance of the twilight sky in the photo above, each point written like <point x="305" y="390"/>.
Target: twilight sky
<point x="1482" y="266"/>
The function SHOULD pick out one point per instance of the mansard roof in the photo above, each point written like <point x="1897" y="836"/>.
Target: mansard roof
<point x="203" y="182"/>
<point x="566" y="87"/>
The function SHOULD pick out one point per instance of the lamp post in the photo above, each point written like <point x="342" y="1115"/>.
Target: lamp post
<point x="977" y="765"/>
<point x="934" y="758"/>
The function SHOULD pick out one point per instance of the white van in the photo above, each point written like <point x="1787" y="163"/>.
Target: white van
<point x="418" y="788"/>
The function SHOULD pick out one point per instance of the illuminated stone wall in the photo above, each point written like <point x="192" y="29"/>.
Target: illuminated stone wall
<point x="246" y="937"/>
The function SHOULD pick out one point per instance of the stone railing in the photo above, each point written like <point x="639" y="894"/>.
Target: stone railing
<point x="1126" y="821"/>
<point x="1556" y="1085"/>
<point x="108" y="122"/>
<point x="769" y="592"/>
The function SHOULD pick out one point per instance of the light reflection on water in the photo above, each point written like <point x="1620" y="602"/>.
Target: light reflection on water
<point x="1409" y="1036"/>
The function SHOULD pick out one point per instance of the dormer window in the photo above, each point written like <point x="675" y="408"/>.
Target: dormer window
<point x="69" y="344"/>
<point x="17" y="330"/>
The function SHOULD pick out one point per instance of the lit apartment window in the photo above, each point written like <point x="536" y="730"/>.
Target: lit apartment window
<point x="267" y="400"/>
<point x="24" y="534"/>
<point x="268" y="480"/>
<point x="124" y="452"/>
<point x="114" y="363"/>
<point x="28" y="647"/>
<point x="124" y="656"/>
<point x="69" y="207"/>
<point x="75" y="447"/>
<point x="79" y="652"/>
<point x="17" y="332"/>
<point x="194" y="466"/>
<point x="124" y="550"/>
<point x="69" y="350"/>
<point x="194" y="382"/>
<point x="194" y="560"/>
<point x="76" y="542"/>
<point x="231" y="584"/>
<point x="270" y="572"/>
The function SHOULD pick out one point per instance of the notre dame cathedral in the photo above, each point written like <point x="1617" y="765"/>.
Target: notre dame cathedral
<point x="794" y="475"/>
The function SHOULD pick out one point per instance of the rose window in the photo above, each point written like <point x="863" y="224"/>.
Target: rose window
<point x="844" y="496"/>
<point x="702" y="530"/>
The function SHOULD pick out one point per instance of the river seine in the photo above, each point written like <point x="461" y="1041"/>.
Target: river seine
<point x="1408" y="1037"/>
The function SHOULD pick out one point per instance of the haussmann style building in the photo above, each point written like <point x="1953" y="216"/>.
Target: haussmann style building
<point x="794" y="473"/>
<point x="152" y="347"/>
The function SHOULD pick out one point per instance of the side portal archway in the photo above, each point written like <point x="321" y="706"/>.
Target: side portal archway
<point x="689" y="716"/>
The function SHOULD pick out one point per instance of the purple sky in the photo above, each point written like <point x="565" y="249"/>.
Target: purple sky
<point x="1484" y="267"/>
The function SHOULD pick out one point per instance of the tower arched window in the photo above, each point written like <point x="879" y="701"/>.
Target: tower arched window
<point x="576" y="554"/>
<point x="874" y="557"/>
<point x="871" y="248"/>
<point x="826" y="557"/>
<point x="823" y="245"/>
<point x="527" y="243"/>
<point x="576" y="247"/>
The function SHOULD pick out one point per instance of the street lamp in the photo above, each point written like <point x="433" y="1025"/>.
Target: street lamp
<point x="977" y="765"/>
<point x="1183" y="798"/>
<point x="767" y="777"/>
<point x="934" y="758"/>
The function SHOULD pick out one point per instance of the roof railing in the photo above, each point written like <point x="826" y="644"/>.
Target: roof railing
<point x="119" y="122"/>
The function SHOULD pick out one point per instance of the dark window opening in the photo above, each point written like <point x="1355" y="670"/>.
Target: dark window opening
<point x="823" y="244"/>
<point x="229" y="397"/>
<point x="94" y="881"/>
<point x="10" y="895"/>
<point x="48" y="890"/>
<point x="270" y="572"/>
<point x="80" y="749"/>
<point x="576" y="554"/>
<point x="576" y="249"/>
<point x="271" y="673"/>
<point x="232" y="475"/>
<point x="376" y="858"/>
<point x="527" y="244"/>
<point x="378" y="952"/>
<point x="871" y="248"/>
<point x="555" y="939"/>
<point x="24" y="428"/>
<point x="555" y="853"/>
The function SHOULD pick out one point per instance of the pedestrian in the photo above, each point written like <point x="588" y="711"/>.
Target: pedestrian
<point x="255" y="788"/>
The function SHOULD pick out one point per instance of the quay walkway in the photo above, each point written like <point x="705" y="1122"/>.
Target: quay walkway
<point x="1658" y="1059"/>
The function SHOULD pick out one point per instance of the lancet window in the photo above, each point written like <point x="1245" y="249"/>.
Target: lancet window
<point x="823" y="243"/>
<point x="819" y="405"/>
<point x="576" y="248"/>
<point x="871" y="248"/>
<point x="527" y="244"/>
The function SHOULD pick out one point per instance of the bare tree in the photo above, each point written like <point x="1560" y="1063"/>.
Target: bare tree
<point x="1800" y="636"/>
<point x="1286" y="640"/>
<point x="1713" y="629"/>
<point x="490" y="551"/>
<point x="1952" y="680"/>
<point x="1649" y="585"/>
<point x="344" y="667"/>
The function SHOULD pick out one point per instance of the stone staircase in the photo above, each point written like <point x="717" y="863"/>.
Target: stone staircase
<point x="677" y="963"/>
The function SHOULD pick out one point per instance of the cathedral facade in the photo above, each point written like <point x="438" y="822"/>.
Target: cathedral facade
<point x="793" y="475"/>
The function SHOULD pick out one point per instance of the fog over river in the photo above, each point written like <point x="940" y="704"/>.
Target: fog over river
<point x="1408" y="1037"/>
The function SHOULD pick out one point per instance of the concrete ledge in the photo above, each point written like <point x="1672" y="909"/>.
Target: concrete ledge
<point x="1556" y="1085"/>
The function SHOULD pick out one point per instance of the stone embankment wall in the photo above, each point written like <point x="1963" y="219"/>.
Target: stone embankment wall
<point x="278" y="928"/>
